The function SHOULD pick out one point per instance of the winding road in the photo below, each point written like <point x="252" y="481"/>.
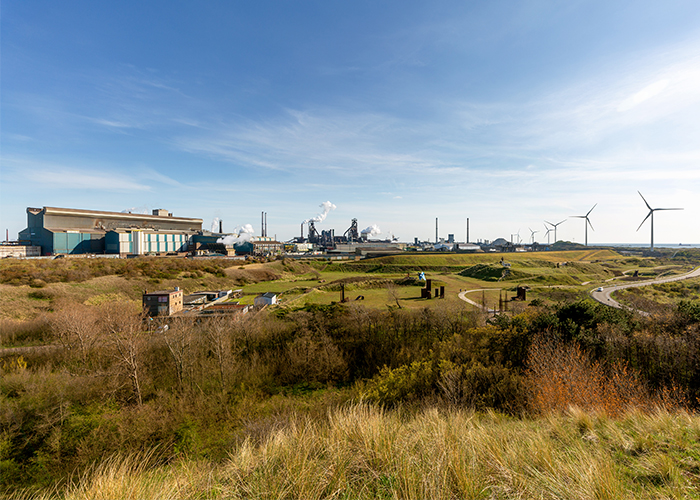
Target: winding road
<point x="604" y="297"/>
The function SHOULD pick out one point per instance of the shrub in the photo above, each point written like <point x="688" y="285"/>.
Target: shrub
<point x="405" y="383"/>
<point x="562" y="375"/>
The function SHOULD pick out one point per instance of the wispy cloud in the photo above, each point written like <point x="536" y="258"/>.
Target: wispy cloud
<point x="57" y="176"/>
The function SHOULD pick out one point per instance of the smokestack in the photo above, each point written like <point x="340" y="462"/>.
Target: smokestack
<point x="265" y="223"/>
<point x="302" y="231"/>
<point x="467" y="230"/>
<point x="262" y="223"/>
<point x="436" y="230"/>
<point x="221" y="226"/>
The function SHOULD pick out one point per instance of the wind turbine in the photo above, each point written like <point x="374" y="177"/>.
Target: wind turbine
<point x="555" y="228"/>
<point x="588" y="222"/>
<point x="532" y="235"/>
<point x="548" y="230"/>
<point x="651" y="214"/>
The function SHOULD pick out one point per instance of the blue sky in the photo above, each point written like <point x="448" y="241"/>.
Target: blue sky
<point x="508" y="113"/>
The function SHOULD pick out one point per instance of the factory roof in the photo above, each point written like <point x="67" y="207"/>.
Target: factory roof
<point x="103" y="214"/>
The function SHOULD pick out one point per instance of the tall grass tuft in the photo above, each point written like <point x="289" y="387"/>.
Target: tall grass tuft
<point x="365" y="452"/>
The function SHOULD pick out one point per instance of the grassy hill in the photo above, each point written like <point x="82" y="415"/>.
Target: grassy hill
<point x="362" y="452"/>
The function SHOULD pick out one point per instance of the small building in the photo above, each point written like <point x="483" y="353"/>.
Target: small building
<point x="266" y="299"/>
<point x="228" y="309"/>
<point x="467" y="247"/>
<point x="163" y="302"/>
<point x="19" y="251"/>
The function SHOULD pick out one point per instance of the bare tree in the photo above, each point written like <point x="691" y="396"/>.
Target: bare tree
<point x="218" y="334"/>
<point x="76" y="327"/>
<point x="125" y="330"/>
<point x="178" y="337"/>
<point x="393" y="292"/>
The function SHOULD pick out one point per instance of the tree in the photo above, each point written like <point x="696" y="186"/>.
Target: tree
<point x="125" y="330"/>
<point x="76" y="327"/>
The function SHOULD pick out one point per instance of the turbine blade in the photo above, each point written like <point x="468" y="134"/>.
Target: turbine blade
<point x="589" y="212"/>
<point x="561" y="222"/>
<point x="668" y="209"/>
<point x="645" y="201"/>
<point x="589" y="223"/>
<point x="645" y="219"/>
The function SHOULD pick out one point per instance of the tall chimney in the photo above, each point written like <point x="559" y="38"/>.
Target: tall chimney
<point x="265" y="223"/>
<point x="467" y="230"/>
<point x="302" y="231"/>
<point x="221" y="226"/>
<point x="436" y="230"/>
<point x="262" y="223"/>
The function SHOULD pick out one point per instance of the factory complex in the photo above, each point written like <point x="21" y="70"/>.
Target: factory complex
<point x="53" y="231"/>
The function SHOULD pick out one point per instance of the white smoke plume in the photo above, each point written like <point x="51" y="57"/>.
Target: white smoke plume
<point x="372" y="230"/>
<point x="136" y="210"/>
<point x="215" y="225"/>
<point x="240" y="235"/>
<point x="326" y="206"/>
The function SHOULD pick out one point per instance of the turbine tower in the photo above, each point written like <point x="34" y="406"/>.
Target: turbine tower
<point x="555" y="228"/>
<point x="532" y="236"/>
<point x="651" y="214"/>
<point x="588" y="222"/>
<point x="546" y="233"/>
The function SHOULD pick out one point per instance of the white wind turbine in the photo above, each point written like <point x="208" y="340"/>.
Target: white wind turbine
<point x="588" y="222"/>
<point x="532" y="236"/>
<point x="651" y="214"/>
<point x="546" y="233"/>
<point x="555" y="228"/>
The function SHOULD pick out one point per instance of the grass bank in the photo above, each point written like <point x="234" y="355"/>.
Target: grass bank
<point x="362" y="451"/>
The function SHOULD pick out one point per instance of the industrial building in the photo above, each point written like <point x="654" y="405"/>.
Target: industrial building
<point x="75" y="231"/>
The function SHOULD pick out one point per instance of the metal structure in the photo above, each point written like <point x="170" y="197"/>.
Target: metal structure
<point x="651" y="214"/>
<point x="587" y="223"/>
<point x="549" y="230"/>
<point x="532" y="236"/>
<point x="555" y="228"/>
<point x="352" y="233"/>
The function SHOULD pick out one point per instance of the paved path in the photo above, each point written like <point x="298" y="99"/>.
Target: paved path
<point x="463" y="296"/>
<point x="604" y="296"/>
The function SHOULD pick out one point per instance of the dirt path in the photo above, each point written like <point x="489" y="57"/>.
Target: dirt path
<point x="463" y="296"/>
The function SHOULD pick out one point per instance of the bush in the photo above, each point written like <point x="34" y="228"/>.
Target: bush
<point x="405" y="383"/>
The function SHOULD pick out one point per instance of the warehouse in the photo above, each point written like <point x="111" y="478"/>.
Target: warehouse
<point x="74" y="231"/>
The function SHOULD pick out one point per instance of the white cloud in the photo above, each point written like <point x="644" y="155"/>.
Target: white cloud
<point x="643" y="95"/>
<point x="57" y="176"/>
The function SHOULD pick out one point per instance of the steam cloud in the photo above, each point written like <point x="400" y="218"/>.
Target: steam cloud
<point x="372" y="230"/>
<point x="215" y="225"/>
<point x="136" y="210"/>
<point x="326" y="206"/>
<point x="240" y="235"/>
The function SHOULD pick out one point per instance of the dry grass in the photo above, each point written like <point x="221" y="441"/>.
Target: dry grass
<point x="364" y="452"/>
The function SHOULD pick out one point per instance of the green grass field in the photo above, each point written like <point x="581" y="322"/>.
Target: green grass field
<point x="551" y="277"/>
